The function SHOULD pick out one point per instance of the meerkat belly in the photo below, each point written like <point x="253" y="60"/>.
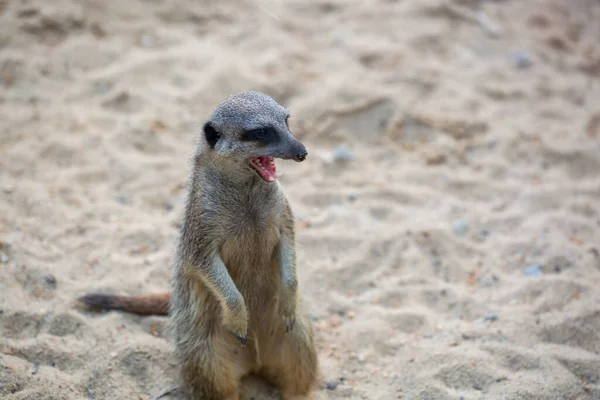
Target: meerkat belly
<point x="250" y="257"/>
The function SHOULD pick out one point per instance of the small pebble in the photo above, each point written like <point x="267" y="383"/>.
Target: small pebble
<point x="121" y="199"/>
<point x="520" y="59"/>
<point x="102" y="86"/>
<point x="332" y="385"/>
<point x="484" y="233"/>
<point x="533" y="270"/>
<point x="3" y="258"/>
<point x="352" y="197"/>
<point x="488" y="280"/>
<point x="491" y="317"/>
<point x="460" y="227"/>
<point x="433" y="158"/>
<point x="50" y="279"/>
<point x="148" y="41"/>
<point x="488" y="25"/>
<point x="342" y="153"/>
<point x="557" y="269"/>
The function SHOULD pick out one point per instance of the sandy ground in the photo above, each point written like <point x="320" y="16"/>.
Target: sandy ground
<point x="448" y="213"/>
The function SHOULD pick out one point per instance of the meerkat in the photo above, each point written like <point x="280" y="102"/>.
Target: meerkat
<point x="235" y="307"/>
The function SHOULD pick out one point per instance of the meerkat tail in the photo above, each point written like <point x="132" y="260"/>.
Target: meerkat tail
<point x="152" y="304"/>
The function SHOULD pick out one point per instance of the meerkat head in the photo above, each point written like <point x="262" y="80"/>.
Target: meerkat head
<point x="249" y="130"/>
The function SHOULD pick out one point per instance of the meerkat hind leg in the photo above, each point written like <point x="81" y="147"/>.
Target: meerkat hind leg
<point x="209" y="383"/>
<point x="214" y="376"/>
<point x="292" y="365"/>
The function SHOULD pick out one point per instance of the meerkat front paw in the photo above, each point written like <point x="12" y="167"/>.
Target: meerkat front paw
<point x="242" y="338"/>
<point x="287" y="310"/>
<point x="290" y="321"/>
<point x="236" y="320"/>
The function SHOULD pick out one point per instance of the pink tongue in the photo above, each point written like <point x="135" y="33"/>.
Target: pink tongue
<point x="265" y="166"/>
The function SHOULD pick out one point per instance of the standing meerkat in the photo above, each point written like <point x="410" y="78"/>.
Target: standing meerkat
<point x="235" y="307"/>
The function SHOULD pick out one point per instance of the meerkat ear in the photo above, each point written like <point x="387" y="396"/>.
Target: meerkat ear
<point x="211" y="134"/>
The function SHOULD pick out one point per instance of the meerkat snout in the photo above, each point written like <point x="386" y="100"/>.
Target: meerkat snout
<point x="301" y="156"/>
<point x="295" y="151"/>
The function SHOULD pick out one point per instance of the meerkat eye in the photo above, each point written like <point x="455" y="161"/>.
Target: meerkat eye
<point x="263" y="135"/>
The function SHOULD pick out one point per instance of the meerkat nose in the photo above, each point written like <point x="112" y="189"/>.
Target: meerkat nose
<point x="301" y="155"/>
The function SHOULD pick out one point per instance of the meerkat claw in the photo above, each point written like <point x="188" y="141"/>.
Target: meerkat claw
<point x="289" y="326"/>
<point x="242" y="339"/>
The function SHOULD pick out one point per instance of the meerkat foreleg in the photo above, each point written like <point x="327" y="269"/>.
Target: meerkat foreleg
<point x="235" y="315"/>
<point x="289" y="285"/>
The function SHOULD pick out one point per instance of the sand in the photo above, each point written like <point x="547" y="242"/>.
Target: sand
<point x="448" y="213"/>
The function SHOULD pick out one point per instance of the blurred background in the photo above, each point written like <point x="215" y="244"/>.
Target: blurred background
<point x="447" y="214"/>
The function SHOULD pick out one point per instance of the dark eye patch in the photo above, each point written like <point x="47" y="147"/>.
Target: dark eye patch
<point x="264" y="135"/>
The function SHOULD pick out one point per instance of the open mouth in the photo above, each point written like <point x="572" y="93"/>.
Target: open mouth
<point x="265" y="167"/>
